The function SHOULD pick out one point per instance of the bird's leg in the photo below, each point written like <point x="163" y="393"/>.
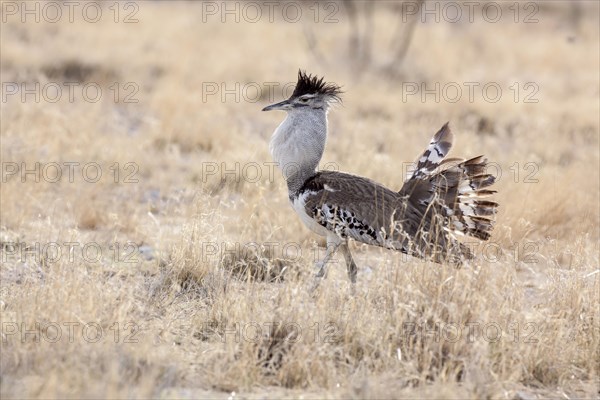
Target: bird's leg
<point x="332" y="246"/>
<point x="350" y="264"/>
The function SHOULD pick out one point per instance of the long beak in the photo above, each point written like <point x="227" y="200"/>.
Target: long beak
<point x="277" y="106"/>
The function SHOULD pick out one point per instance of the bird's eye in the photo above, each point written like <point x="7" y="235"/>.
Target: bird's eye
<point x="303" y="100"/>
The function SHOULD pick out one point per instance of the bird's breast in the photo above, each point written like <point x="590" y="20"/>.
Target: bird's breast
<point x="299" y="204"/>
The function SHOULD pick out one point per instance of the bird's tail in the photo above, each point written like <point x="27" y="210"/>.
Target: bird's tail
<point x="448" y="196"/>
<point x="463" y="188"/>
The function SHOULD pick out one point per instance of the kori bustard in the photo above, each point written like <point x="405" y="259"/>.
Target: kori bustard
<point x="442" y="197"/>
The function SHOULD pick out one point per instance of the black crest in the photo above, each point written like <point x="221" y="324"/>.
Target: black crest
<point x="309" y="84"/>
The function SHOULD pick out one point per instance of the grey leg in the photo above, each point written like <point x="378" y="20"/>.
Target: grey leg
<point x="333" y="242"/>
<point x="332" y="245"/>
<point x="350" y="264"/>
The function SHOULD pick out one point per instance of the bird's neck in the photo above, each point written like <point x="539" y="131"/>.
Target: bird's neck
<point x="297" y="145"/>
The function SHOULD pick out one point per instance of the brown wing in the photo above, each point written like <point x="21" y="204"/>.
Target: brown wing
<point x="353" y="206"/>
<point x="361" y="209"/>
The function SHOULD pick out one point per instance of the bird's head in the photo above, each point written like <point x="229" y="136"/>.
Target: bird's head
<point x="310" y="93"/>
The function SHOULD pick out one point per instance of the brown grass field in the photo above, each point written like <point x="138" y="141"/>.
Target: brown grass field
<point x="182" y="271"/>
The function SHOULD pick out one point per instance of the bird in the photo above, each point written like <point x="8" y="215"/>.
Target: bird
<point x="440" y="200"/>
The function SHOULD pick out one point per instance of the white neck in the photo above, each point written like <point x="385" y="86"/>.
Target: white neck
<point x="298" y="143"/>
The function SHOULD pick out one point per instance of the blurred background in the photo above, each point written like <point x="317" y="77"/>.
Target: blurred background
<point x="171" y="86"/>
<point x="135" y="126"/>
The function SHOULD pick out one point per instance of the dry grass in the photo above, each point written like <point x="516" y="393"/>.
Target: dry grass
<point x="209" y="294"/>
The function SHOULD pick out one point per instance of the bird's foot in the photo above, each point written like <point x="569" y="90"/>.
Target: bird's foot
<point x="314" y="284"/>
<point x="319" y="276"/>
<point x="352" y="271"/>
<point x="321" y="269"/>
